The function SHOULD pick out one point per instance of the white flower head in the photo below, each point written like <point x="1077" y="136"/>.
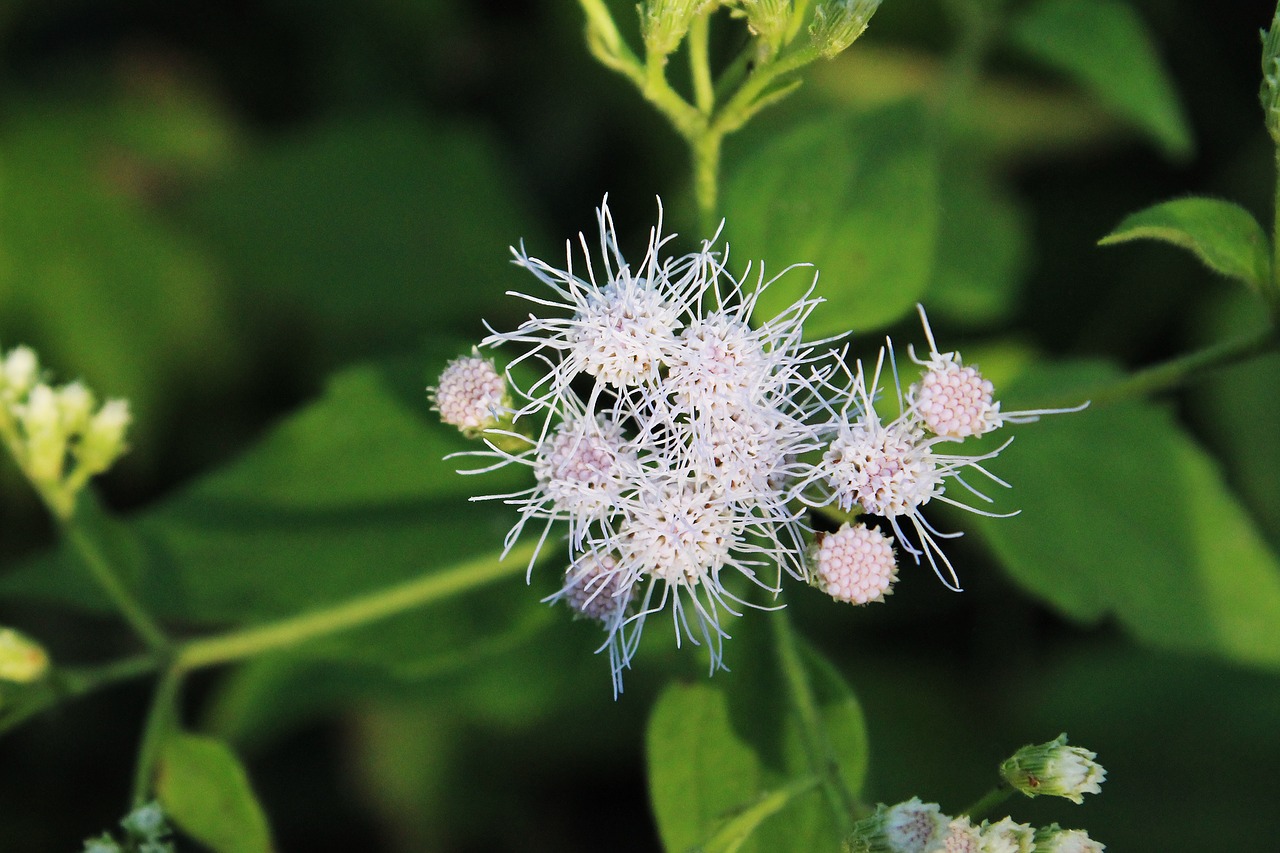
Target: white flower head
<point x="621" y="320"/>
<point x="597" y="586"/>
<point x="1055" y="769"/>
<point x="1055" y="839"/>
<point x="892" y="469"/>
<point x="1007" y="836"/>
<point x="953" y="400"/>
<point x="855" y="564"/>
<point x="961" y="837"/>
<point x="911" y="826"/>
<point x="470" y="395"/>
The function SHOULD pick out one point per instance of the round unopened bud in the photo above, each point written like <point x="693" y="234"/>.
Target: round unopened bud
<point x="1055" y="769"/>
<point x="146" y="822"/>
<point x="664" y="23"/>
<point x="19" y="371"/>
<point x="75" y="403"/>
<point x="103" y="440"/>
<point x="22" y="659"/>
<point x="102" y="844"/>
<point x="1055" y="839"/>
<point x="954" y="401"/>
<point x="838" y="23"/>
<point x="41" y="420"/>
<point x="855" y="564"/>
<point x="470" y="395"/>
<point x="908" y="827"/>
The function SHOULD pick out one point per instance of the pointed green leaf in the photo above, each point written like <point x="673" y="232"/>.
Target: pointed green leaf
<point x="1106" y="48"/>
<point x="206" y="793"/>
<point x="1223" y="235"/>
<point x="700" y="770"/>
<point x="857" y="198"/>
<point x="1123" y="514"/>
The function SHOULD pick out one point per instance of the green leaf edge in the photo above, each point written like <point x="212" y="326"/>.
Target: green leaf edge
<point x="1132" y="227"/>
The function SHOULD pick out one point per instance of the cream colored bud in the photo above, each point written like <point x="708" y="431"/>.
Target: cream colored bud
<point x="21" y="659"/>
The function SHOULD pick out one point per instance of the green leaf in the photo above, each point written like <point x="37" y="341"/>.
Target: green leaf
<point x="1105" y="47"/>
<point x="350" y="496"/>
<point x="700" y="770"/>
<point x="373" y="233"/>
<point x="1223" y="235"/>
<point x="205" y="791"/>
<point x="1123" y="514"/>
<point x="983" y="237"/>
<point x="856" y="197"/>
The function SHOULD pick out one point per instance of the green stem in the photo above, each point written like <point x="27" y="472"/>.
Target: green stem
<point x="748" y="100"/>
<point x="161" y="719"/>
<point x="704" y="96"/>
<point x="105" y="576"/>
<point x="706" y="180"/>
<point x="1171" y="374"/>
<point x="822" y="758"/>
<point x="349" y="614"/>
<point x="988" y="801"/>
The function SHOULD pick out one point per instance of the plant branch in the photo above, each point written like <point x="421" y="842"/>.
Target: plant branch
<point x="100" y="568"/>
<point x="349" y="614"/>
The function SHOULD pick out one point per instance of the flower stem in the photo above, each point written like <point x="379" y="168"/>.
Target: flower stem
<point x="812" y="734"/>
<point x="161" y="719"/>
<point x="704" y="96"/>
<point x="100" y="568"/>
<point x="1178" y="371"/>
<point x="352" y="613"/>
<point x="988" y="801"/>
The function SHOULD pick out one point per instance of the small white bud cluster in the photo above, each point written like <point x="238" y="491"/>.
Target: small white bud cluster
<point x="1055" y="769"/>
<point x="682" y="441"/>
<point x="913" y="826"/>
<point x="59" y="436"/>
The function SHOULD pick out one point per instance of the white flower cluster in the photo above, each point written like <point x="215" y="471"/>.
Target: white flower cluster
<point x="682" y="440"/>
<point x="59" y="436"/>
<point x="913" y="826"/>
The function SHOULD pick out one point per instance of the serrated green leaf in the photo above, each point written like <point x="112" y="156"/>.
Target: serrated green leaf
<point x="983" y="237"/>
<point x="1123" y="514"/>
<point x="206" y="793"/>
<point x="854" y="196"/>
<point x="1223" y="235"/>
<point x="1106" y="48"/>
<point x="700" y="770"/>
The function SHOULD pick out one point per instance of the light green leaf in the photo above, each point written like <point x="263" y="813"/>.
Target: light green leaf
<point x="856" y="197"/>
<point x="983" y="237"/>
<point x="1223" y="235"/>
<point x="700" y="770"/>
<point x="1123" y="514"/>
<point x="206" y="793"/>
<point x="1106" y="48"/>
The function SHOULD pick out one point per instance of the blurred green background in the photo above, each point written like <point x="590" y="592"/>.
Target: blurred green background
<point x="212" y="207"/>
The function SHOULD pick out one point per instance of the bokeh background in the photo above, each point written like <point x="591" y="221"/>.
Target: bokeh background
<point x="210" y="207"/>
